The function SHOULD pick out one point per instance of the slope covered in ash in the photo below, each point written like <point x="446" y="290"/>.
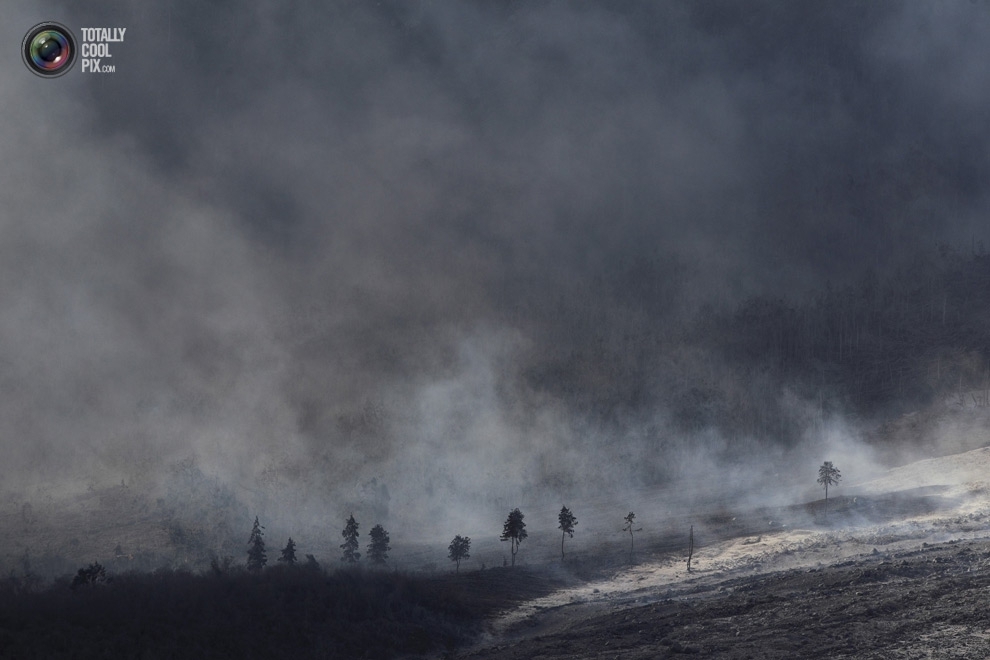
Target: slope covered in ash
<point x="912" y="585"/>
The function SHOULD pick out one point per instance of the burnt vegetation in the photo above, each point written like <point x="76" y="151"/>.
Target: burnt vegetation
<point x="282" y="611"/>
<point x="876" y="346"/>
<point x="879" y="345"/>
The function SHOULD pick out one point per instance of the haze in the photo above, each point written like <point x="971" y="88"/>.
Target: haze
<point x="453" y="247"/>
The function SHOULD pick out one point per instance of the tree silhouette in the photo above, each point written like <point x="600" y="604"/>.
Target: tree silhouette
<point x="379" y="547"/>
<point x="828" y="475"/>
<point x="289" y="553"/>
<point x="567" y="522"/>
<point x="459" y="548"/>
<point x="92" y="574"/>
<point x="690" y="548"/>
<point x="350" y="544"/>
<point x="630" y="519"/>
<point x="514" y="531"/>
<point x="256" y="548"/>
<point x="220" y="565"/>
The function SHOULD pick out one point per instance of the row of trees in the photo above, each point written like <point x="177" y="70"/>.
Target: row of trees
<point x="513" y="531"/>
<point x="514" y="528"/>
<point x="378" y="549"/>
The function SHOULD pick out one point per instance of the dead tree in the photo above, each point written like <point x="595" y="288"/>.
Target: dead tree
<point x="630" y="519"/>
<point x="690" y="548"/>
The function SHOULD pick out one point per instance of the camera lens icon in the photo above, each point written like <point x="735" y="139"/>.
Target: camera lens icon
<point x="49" y="49"/>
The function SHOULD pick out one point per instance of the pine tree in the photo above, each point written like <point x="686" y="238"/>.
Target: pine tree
<point x="828" y="475"/>
<point x="289" y="553"/>
<point x="514" y="531"/>
<point x="459" y="548"/>
<point x="256" y="548"/>
<point x="630" y="520"/>
<point x="567" y="522"/>
<point x="379" y="547"/>
<point x="350" y="544"/>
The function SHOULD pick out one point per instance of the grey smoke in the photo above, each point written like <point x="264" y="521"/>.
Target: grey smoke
<point x="337" y="242"/>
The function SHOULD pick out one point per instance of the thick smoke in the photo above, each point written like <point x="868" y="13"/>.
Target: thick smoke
<point x="318" y="249"/>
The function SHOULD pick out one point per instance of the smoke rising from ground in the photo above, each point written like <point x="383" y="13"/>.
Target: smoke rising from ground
<point x="315" y="246"/>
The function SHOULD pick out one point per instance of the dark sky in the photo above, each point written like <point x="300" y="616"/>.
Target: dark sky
<point x="338" y="234"/>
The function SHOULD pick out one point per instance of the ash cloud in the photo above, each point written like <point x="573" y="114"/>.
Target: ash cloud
<point x="394" y="240"/>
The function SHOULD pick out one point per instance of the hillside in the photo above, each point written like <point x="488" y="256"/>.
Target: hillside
<point x="903" y="579"/>
<point x="907" y="546"/>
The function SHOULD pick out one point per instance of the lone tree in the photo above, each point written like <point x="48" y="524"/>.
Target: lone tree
<point x="514" y="531"/>
<point x="630" y="520"/>
<point x="350" y="544"/>
<point x="690" y="547"/>
<point x="289" y="553"/>
<point x="379" y="547"/>
<point x="828" y="475"/>
<point x="459" y="548"/>
<point x="256" y="548"/>
<point x="567" y="522"/>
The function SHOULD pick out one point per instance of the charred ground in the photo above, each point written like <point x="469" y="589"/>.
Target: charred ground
<point x="298" y="612"/>
<point x="928" y="602"/>
<point x="869" y="602"/>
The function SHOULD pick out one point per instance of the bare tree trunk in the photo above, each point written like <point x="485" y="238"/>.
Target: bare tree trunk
<point x="690" y="548"/>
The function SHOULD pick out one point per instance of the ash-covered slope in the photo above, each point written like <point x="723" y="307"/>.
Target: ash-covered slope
<point x="910" y="586"/>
